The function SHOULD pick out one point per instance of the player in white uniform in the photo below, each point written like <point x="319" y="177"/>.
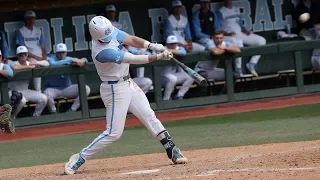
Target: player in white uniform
<point x="178" y="25"/>
<point x="6" y="71"/>
<point x="61" y="86"/>
<point x="22" y="86"/>
<point x="209" y="68"/>
<point x="231" y="22"/>
<point x="119" y="93"/>
<point x="111" y="13"/>
<point x="144" y="83"/>
<point x="174" y="74"/>
<point x="31" y="37"/>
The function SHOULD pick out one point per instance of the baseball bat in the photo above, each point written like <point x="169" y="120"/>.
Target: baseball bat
<point x="197" y="77"/>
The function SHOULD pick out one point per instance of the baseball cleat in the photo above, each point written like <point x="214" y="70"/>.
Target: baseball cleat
<point x="74" y="163"/>
<point x="252" y="70"/>
<point x="177" y="157"/>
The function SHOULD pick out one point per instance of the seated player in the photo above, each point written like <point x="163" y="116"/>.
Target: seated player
<point x="17" y="100"/>
<point x="174" y="74"/>
<point x="209" y="69"/>
<point x="231" y="22"/>
<point x="178" y="25"/>
<point x="22" y="86"/>
<point x="61" y="86"/>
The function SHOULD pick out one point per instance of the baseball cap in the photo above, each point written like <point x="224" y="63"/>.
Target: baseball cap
<point x="61" y="47"/>
<point x="110" y="8"/>
<point x="21" y="49"/>
<point x="172" y="39"/>
<point x="30" y="14"/>
<point x="176" y="3"/>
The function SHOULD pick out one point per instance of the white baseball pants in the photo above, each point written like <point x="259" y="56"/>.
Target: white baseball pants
<point x="144" y="83"/>
<point x="118" y="99"/>
<point x="35" y="97"/>
<point x="70" y="92"/>
<point x="37" y="84"/>
<point x="171" y="80"/>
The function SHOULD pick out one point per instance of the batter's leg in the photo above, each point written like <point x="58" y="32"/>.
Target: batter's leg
<point x="144" y="83"/>
<point x="140" y="107"/>
<point x="169" y="81"/>
<point x="72" y="92"/>
<point x="116" y="98"/>
<point x="52" y="93"/>
<point x="36" y="97"/>
<point x="37" y="84"/>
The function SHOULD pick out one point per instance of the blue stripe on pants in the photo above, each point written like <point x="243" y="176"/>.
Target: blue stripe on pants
<point x="112" y="115"/>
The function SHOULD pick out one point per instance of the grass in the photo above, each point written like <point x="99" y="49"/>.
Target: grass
<point x="298" y="123"/>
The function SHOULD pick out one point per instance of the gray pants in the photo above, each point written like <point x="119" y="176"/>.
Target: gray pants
<point x="37" y="84"/>
<point x="70" y="92"/>
<point x="19" y="106"/>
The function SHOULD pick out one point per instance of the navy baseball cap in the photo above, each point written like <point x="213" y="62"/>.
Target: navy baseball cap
<point x="176" y="3"/>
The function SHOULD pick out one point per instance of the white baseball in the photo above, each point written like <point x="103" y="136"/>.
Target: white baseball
<point x="304" y="17"/>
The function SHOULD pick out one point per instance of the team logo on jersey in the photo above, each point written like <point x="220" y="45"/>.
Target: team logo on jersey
<point x="107" y="31"/>
<point x="118" y="58"/>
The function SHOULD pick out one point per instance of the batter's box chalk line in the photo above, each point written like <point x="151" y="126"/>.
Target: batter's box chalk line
<point x="214" y="172"/>
<point x="141" y="172"/>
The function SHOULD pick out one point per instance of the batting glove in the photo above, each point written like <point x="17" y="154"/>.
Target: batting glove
<point x="165" y="55"/>
<point x="156" y="47"/>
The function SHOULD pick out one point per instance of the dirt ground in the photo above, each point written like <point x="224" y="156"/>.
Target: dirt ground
<point x="284" y="161"/>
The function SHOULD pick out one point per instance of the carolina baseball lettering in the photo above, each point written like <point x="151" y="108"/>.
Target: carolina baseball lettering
<point x="57" y="29"/>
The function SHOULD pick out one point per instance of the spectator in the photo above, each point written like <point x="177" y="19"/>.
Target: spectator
<point x="61" y="86"/>
<point x="209" y="69"/>
<point x="17" y="101"/>
<point x="111" y="13"/>
<point x="144" y="83"/>
<point x="308" y="29"/>
<point x="174" y="74"/>
<point x="178" y="25"/>
<point x="31" y="37"/>
<point x="231" y="22"/>
<point x="22" y="86"/>
<point x="4" y="47"/>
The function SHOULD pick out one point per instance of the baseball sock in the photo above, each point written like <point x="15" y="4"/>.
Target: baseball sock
<point x="166" y="140"/>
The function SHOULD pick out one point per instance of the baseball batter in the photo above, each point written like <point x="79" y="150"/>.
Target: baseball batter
<point x="174" y="74"/>
<point x="209" y="69"/>
<point x="178" y="25"/>
<point x="143" y="82"/>
<point x="22" y="86"/>
<point x="6" y="71"/>
<point x="119" y="93"/>
<point x="231" y="22"/>
<point x="31" y="37"/>
<point x="61" y="86"/>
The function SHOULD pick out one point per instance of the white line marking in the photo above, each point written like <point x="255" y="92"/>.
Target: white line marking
<point x="142" y="172"/>
<point x="214" y="172"/>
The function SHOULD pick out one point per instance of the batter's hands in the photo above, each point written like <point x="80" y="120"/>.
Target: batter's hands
<point x="156" y="47"/>
<point x="165" y="55"/>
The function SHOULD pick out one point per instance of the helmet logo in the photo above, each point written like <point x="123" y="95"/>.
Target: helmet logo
<point x="108" y="31"/>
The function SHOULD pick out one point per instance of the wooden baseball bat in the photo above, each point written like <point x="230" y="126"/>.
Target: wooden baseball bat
<point x="197" y="77"/>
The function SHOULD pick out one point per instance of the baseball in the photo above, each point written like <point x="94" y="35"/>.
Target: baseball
<point x="304" y="17"/>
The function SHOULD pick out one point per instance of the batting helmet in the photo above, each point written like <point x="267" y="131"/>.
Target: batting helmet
<point x="101" y="29"/>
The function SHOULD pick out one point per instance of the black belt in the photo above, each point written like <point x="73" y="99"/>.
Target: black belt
<point x="115" y="82"/>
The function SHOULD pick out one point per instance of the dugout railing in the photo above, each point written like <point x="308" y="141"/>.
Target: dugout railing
<point x="296" y="55"/>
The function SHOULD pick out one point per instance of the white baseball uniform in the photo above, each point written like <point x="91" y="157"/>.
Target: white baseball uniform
<point x="61" y="86"/>
<point x="315" y="59"/>
<point x="23" y="100"/>
<point x="181" y="29"/>
<point x="231" y="22"/>
<point x="32" y="39"/>
<point x="210" y="67"/>
<point x="173" y="75"/>
<point x="31" y="95"/>
<point x="119" y="94"/>
<point x="143" y="82"/>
